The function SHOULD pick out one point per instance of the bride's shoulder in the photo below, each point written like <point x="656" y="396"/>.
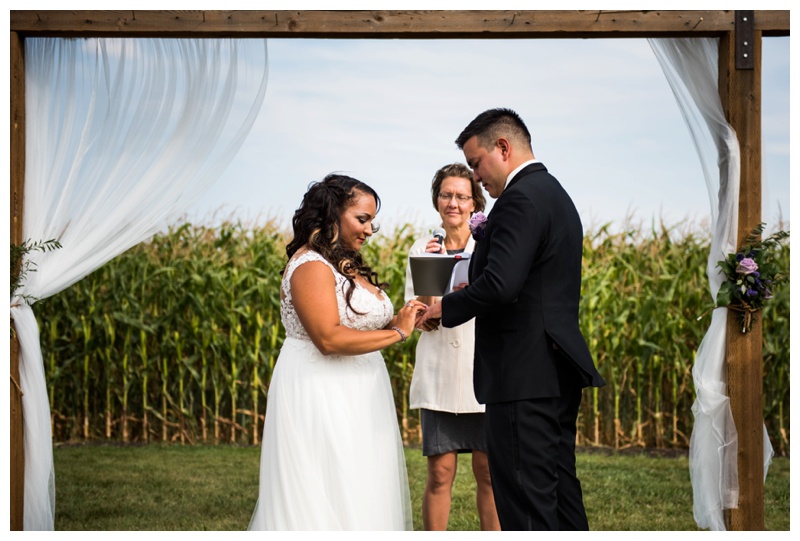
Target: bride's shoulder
<point x="302" y="256"/>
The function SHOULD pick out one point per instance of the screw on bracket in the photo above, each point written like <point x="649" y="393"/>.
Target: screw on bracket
<point x="743" y="34"/>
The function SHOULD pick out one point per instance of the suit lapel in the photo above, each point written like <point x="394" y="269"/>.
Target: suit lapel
<point x="472" y="245"/>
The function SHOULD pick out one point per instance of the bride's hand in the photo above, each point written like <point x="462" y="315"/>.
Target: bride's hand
<point x="407" y="315"/>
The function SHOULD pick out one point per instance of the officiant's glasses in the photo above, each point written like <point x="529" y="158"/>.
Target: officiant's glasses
<point x="461" y="199"/>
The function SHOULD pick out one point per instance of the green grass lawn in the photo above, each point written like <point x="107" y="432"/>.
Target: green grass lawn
<point x="155" y="487"/>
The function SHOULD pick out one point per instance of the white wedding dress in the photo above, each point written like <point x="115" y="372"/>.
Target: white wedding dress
<point x="332" y="457"/>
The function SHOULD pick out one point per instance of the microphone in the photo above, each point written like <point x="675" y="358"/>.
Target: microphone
<point x="439" y="234"/>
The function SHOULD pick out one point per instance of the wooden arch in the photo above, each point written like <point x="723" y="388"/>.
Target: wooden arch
<point x="740" y="34"/>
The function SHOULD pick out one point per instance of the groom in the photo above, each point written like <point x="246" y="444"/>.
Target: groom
<point x="531" y="361"/>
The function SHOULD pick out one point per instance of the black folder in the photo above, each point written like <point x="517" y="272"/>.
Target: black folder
<point x="431" y="273"/>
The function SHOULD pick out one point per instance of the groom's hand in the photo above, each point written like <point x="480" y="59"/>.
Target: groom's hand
<point x="429" y="325"/>
<point x="430" y="317"/>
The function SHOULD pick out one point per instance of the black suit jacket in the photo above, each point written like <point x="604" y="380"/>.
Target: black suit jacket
<point x="525" y="280"/>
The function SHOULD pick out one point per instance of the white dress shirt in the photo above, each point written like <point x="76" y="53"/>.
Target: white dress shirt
<point x="517" y="170"/>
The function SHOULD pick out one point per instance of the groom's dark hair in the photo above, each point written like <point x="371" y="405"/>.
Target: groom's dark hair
<point x="492" y="124"/>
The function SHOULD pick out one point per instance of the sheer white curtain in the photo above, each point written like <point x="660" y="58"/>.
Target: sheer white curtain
<point x="690" y="65"/>
<point x="122" y="135"/>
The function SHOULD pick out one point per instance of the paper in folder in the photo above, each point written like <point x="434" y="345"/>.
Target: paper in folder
<point x="435" y="274"/>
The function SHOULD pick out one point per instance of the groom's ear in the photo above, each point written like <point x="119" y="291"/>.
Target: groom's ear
<point x="505" y="147"/>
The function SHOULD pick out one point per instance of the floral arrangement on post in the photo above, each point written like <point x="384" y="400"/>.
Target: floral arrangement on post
<point x="751" y="275"/>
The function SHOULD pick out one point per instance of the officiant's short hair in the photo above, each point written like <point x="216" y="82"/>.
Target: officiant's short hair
<point x="461" y="171"/>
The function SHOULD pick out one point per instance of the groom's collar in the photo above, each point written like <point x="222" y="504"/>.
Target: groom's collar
<point x="513" y="173"/>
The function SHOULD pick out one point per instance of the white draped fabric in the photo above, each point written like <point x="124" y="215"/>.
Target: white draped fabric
<point x="690" y="65"/>
<point x="122" y="136"/>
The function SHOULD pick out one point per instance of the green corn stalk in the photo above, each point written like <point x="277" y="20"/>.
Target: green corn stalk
<point x="233" y="337"/>
<point x="617" y="420"/>
<point x="87" y="335"/>
<point x="179" y="356"/>
<point x="642" y="292"/>
<point x="404" y="398"/>
<point x="273" y="342"/>
<point x="204" y="385"/>
<point x="109" y="357"/>
<point x="256" y="383"/>
<point x="51" y="390"/>
<point x="216" y="378"/>
<point x="126" y="348"/>
<point x="145" y="300"/>
<point x="657" y="403"/>
<point x="165" y="398"/>
<point x="145" y="406"/>
<point x="203" y="339"/>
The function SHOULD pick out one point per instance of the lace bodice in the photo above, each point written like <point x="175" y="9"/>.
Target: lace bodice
<point x="375" y="312"/>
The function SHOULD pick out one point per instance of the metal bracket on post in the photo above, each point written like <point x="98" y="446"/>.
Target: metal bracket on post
<point x="743" y="34"/>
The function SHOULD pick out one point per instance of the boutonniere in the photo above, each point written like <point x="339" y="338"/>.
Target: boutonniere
<point x="477" y="225"/>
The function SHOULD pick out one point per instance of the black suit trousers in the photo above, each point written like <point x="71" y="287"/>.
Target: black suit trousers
<point x="531" y="448"/>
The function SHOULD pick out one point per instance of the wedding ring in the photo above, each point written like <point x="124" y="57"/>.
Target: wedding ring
<point x="408" y="304"/>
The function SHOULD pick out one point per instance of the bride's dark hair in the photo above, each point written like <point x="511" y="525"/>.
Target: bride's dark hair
<point x="316" y="224"/>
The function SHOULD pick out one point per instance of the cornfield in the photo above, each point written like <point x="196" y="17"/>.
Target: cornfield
<point x="176" y="339"/>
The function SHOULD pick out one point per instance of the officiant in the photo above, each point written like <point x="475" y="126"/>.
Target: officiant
<point x="441" y="387"/>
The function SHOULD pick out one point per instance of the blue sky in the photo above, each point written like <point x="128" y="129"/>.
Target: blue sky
<point x="600" y="112"/>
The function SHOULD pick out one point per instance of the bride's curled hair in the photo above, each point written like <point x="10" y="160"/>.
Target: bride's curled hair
<point x="316" y="224"/>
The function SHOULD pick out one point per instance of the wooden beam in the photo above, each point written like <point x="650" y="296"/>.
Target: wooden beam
<point x="17" y="143"/>
<point x="390" y="24"/>
<point x="740" y="90"/>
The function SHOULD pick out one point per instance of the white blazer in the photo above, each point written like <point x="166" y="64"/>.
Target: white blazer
<point x="442" y="377"/>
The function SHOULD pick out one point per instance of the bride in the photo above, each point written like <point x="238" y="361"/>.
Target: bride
<point x="332" y="457"/>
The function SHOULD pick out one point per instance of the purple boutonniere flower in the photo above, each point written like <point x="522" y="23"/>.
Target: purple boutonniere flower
<point x="477" y="225"/>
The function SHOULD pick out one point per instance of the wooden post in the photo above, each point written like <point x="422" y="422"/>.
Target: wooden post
<point x="17" y="91"/>
<point x="740" y="90"/>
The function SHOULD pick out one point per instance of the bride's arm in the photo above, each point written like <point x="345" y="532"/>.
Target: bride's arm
<point x="314" y="298"/>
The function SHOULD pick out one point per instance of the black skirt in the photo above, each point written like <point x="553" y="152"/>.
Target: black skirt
<point x="443" y="432"/>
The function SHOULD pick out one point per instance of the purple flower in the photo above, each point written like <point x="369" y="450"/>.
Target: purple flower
<point x="739" y="256"/>
<point x="747" y="266"/>
<point x="751" y="293"/>
<point x="477" y="225"/>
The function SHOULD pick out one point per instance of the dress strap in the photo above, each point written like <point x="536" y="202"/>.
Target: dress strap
<point x="295" y="262"/>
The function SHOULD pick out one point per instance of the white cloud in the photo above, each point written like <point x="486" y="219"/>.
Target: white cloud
<point x="387" y="111"/>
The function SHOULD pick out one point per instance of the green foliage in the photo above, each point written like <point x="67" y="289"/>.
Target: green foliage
<point x="641" y="295"/>
<point x="21" y="266"/>
<point x="168" y="487"/>
<point x="176" y="339"/>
